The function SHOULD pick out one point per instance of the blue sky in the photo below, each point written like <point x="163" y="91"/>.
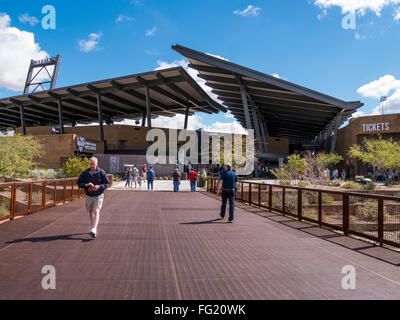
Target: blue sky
<point x="302" y="41"/>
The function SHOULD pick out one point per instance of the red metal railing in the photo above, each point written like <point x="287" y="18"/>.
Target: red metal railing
<point x="370" y="216"/>
<point x="21" y="198"/>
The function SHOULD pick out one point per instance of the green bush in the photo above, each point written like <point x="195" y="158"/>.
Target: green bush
<point x="327" y="199"/>
<point x="336" y="183"/>
<point x="47" y="174"/>
<point x="368" y="186"/>
<point x="73" y="167"/>
<point x="351" y="185"/>
<point x="368" y="211"/>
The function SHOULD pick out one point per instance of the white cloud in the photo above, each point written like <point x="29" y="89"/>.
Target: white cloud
<point x="384" y="86"/>
<point x="249" y="11"/>
<point x="381" y="87"/>
<point x="359" y="6"/>
<point x="229" y="115"/>
<point x="322" y="15"/>
<point x="151" y="32"/>
<point x="17" y="48"/>
<point x="92" y="44"/>
<point x="25" y="18"/>
<point x="122" y="18"/>
<point x="396" y="15"/>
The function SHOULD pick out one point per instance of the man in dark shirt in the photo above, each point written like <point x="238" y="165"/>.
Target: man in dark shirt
<point x="94" y="180"/>
<point x="227" y="187"/>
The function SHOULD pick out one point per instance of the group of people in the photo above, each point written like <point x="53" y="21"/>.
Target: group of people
<point x="335" y="174"/>
<point x="134" y="176"/>
<point x="94" y="181"/>
<point x="193" y="178"/>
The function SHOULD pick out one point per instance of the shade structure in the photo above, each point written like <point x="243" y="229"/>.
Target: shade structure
<point x="269" y="105"/>
<point x="164" y="92"/>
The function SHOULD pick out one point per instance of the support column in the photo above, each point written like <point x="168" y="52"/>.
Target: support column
<point x="245" y="104"/>
<point x="255" y="119"/>
<point x="335" y="134"/>
<point x="148" y="107"/>
<point x="328" y="137"/>
<point x="60" y="115"/>
<point x="144" y="119"/>
<point x="186" y="118"/>
<point x="264" y="137"/>
<point x="21" y="108"/>
<point x="100" y="115"/>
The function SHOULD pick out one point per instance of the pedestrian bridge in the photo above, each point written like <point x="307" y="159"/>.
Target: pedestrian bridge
<point x="165" y="245"/>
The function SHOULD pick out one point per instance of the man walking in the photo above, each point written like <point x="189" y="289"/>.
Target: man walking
<point x="94" y="180"/>
<point x="227" y="187"/>
<point x="176" y="176"/>
<point x="150" y="179"/>
<point x="193" y="176"/>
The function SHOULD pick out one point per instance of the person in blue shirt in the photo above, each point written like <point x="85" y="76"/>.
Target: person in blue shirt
<point x="150" y="179"/>
<point x="95" y="181"/>
<point x="227" y="188"/>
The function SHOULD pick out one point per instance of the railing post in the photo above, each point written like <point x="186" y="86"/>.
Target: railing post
<point x="55" y="192"/>
<point x="259" y="195"/>
<point x="72" y="189"/>
<point x="65" y="191"/>
<point x="44" y="191"/>
<point x="381" y="218"/>
<point x="283" y="200"/>
<point x="30" y="196"/>
<point x="346" y="214"/>
<point x="242" y="187"/>
<point x="250" y="193"/>
<point x="299" y="204"/>
<point x="270" y="198"/>
<point x="13" y="200"/>
<point x="320" y="208"/>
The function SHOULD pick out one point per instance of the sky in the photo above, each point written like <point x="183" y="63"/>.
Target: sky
<point x="344" y="48"/>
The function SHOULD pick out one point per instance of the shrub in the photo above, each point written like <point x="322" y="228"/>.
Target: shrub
<point x="336" y="183"/>
<point x="327" y="199"/>
<point x="73" y="167"/>
<point x="303" y="184"/>
<point x="47" y="174"/>
<point x="368" y="211"/>
<point x="350" y="185"/>
<point x="368" y="186"/>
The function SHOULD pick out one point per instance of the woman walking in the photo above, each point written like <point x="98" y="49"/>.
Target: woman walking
<point x="128" y="178"/>
<point x="177" y="179"/>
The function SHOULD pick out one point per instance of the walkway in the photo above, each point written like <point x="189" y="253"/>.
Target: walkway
<point x="163" y="245"/>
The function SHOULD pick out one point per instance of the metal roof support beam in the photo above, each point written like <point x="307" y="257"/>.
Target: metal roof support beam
<point x="100" y="115"/>
<point x="263" y="131"/>
<point x="244" y="101"/>
<point x="23" y="120"/>
<point x="256" y="124"/>
<point x="148" y="107"/>
<point x="328" y="135"/>
<point x="186" y="118"/>
<point x="60" y="115"/>
<point x="335" y="134"/>
<point x="144" y="119"/>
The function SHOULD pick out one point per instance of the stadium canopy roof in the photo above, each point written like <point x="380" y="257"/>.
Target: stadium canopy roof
<point x="278" y="107"/>
<point x="169" y="92"/>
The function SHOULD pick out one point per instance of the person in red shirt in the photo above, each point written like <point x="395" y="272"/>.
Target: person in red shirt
<point x="193" y="176"/>
<point x="144" y="172"/>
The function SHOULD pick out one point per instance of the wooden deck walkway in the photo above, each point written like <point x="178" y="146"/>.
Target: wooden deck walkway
<point x="163" y="245"/>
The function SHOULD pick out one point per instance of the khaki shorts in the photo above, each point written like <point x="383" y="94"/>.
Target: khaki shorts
<point x="94" y="203"/>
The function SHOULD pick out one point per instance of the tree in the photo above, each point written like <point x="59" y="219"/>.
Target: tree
<point x="381" y="154"/>
<point x="17" y="154"/>
<point x="318" y="163"/>
<point x="73" y="167"/>
<point x="293" y="169"/>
